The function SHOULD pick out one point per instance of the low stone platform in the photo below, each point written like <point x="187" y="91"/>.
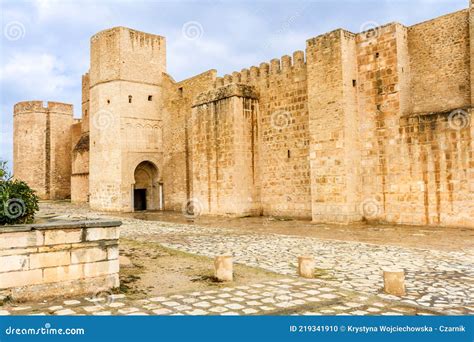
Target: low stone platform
<point x="64" y="258"/>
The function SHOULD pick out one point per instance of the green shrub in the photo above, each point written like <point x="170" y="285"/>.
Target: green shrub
<point x="18" y="202"/>
<point x="4" y="175"/>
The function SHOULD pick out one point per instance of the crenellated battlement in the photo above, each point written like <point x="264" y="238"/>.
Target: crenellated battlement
<point x="141" y="39"/>
<point x="324" y="40"/>
<point x="29" y="107"/>
<point x="377" y="32"/>
<point x="265" y="71"/>
<point x="106" y="33"/>
<point x="136" y="36"/>
<point x="42" y="107"/>
<point x="58" y="107"/>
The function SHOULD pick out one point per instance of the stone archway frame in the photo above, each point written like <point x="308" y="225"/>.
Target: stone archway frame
<point x="156" y="199"/>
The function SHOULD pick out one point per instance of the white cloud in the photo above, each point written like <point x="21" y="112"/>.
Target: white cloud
<point x="85" y="11"/>
<point x="286" y="42"/>
<point x="211" y="54"/>
<point x="37" y="75"/>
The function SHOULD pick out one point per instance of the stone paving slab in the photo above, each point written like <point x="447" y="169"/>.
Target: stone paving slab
<point x="276" y="297"/>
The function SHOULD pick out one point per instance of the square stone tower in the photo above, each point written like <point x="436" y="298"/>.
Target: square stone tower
<point x="125" y="117"/>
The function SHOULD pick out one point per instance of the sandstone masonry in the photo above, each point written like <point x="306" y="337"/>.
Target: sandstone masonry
<point x="67" y="258"/>
<point x="374" y="125"/>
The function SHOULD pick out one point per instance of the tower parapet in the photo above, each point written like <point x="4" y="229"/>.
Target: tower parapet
<point x="121" y="53"/>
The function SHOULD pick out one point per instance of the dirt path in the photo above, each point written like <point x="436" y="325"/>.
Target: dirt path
<point x="157" y="271"/>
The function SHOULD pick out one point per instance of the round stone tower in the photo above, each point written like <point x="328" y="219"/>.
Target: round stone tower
<point x="42" y="147"/>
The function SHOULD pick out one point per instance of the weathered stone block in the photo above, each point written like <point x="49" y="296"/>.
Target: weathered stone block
<point x="63" y="273"/>
<point x="60" y="236"/>
<point x="113" y="252"/>
<point x="87" y="255"/>
<point x="20" y="278"/>
<point x="18" y="251"/>
<point x="100" y="268"/>
<point x="42" y="260"/>
<point x="102" y="233"/>
<point x="13" y="263"/>
<point x="54" y="248"/>
<point x="21" y="239"/>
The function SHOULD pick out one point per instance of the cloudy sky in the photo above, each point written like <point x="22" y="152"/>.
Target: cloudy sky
<point x="45" y="43"/>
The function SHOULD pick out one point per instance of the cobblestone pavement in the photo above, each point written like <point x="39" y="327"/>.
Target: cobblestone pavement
<point x="284" y="296"/>
<point x="434" y="279"/>
<point x="438" y="280"/>
<point x="443" y="280"/>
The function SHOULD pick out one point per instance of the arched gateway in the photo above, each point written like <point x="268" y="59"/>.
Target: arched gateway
<point x="147" y="191"/>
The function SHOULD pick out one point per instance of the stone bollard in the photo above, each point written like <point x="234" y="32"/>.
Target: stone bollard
<point x="223" y="268"/>
<point x="394" y="282"/>
<point x="306" y="266"/>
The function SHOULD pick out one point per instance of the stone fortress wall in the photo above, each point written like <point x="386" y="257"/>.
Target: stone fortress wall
<point x="368" y="126"/>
